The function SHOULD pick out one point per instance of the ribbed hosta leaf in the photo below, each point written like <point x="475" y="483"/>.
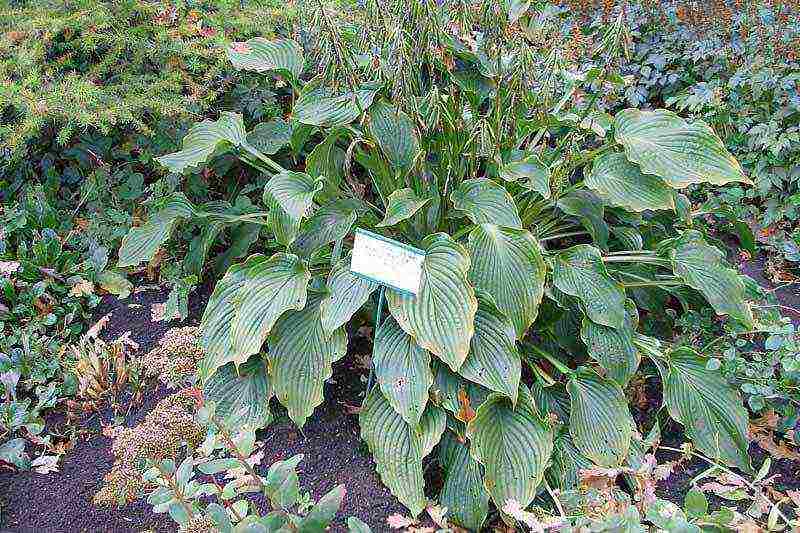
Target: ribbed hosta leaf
<point x="530" y="172"/>
<point x="397" y="449"/>
<point x="245" y="305"/>
<point x="301" y="354"/>
<point x="395" y="134"/>
<point x="403" y="370"/>
<point x="620" y="183"/>
<point x="564" y="471"/>
<point x="329" y="223"/>
<point x="600" y="423"/>
<point x="401" y="204"/>
<point x="579" y="271"/>
<point x="241" y="397"/>
<point x="204" y="139"/>
<point x="440" y="317"/>
<point x="463" y="493"/>
<point x="431" y="427"/>
<point x="614" y="348"/>
<point x="507" y="264"/>
<point x="283" y="225"/>
<point x="142" y="242"/>
<point x="513" y="445"/>
<point x="588" y="209"/>
<point x="710" y="410"/>
<point x="493" y="359"/>
<point x="483" y="200"/>
<point x="262" y="55"/>
<point x="293" y="191"/>
<point x="681" y="152"/>
<point x="317" y="106"/>
<point x="269" y="137"/>
<point x="347" y="293"/>
<point x="704" y="268"/>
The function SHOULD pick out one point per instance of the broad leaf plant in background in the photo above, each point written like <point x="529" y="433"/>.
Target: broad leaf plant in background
<point x="548" y="226"/>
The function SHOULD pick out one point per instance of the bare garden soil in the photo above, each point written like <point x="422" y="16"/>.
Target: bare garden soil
<point x="61" y="502"/>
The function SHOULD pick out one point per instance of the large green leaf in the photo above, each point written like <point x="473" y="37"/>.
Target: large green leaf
<point x="681" y="152"/>
<point x="530" y="172"/>
<point x="704" y="268"/>
<point x="269" y="137"/>
<point x="463" y="494"/>
<point x="262" y="55"/>
<point x="493" y="359"/>
<point x="440" y="317"/>
<point x="142" y="242"/>
<point x="600" y="423"/>
<point x="245" y="305"/>
<point x="590" y="212"/>
<point x="204" y="139"/>
<point x="614" y="348"/>
<point x="347" y="293"/>
<point x="431" y="427"/>
<point x="620" y="183"/>
<point x="301" y="356"/>
<point x="513" y="445"/>
<point x="710" y="410"/>
<point x="400" y="205"/>
<point x="483" y="200"/>
<point x="507" y="263"/>
<point x="318" y="106"/>
<point x="330" y="223"/>
<point x="284" y="226"/>
<point x="394" y="133"/>
<point x="241" y="396"/>
<point x="294" y="192"/>
<point x="579" y="271"/>
<point x="403" y="370"/>
<point x="397" y="449"/>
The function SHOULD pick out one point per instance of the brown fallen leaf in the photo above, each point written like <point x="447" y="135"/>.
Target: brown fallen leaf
<point x="398" y="521"/>
<point x="465" y="412"/>
<point x="94" y="331"/>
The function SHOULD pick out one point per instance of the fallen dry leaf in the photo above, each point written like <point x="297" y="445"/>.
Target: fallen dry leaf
<point x="465" y="412"/>
<point x="8" y="267"/>
<point x="82" y="288"/>
<point x="398" y="521"/>
<point x="45" y="464"/>
<point x="95" y="330"/>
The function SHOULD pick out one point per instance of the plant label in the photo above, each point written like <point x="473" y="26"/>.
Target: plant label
<point x="386" y="261"/>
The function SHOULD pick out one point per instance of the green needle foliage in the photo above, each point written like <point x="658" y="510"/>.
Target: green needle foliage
<point x="546" y="225"/>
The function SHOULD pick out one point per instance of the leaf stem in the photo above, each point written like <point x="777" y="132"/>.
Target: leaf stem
<point x="561" y="367"/>
<point x="562" y="235"/>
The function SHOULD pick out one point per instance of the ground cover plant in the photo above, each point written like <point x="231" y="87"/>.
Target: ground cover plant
<point x="549" y="226"/>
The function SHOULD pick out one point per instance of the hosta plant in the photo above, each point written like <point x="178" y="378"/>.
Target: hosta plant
<point x="548" y="227"/>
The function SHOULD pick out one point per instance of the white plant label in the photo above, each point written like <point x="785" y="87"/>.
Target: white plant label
<point x="387" y="262"/>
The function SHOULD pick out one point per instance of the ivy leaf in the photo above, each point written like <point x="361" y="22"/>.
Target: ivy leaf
<point x="394" y="133"/>
<point x="508" y="265"/>
<point x="241" y="396"/>
<point x="301" y="356"/>
<point x="330" y="223"/>
<point x="269" y="137"/>
<point x="600" y="423"/>
<point x="293" y="191"/>
<point x="463" y="494"/>
<point x="397" y="449"/>
<point x="579" y="271"/>
<point x="530" y="172"/>
<point x="203" y="139"/>
<point x="245" y="305"/>
<point x="483" y="200"/>
<point x="588" y="209"/>
<point x="142" y="242"/>
<point x="513" y="445"/>
<point x="681" y="152"/>
<point x="401" y="205"/>
<point x="262" y="55"/>
<point x="319" y="106"/>
<point x="710" y="410"/>
<point x="620" y="183"/>
<point x="614" y="348"/>
<point x="703" y="267"/>
<point x="403" y="370"/>
<point x="440" y="317"/>
<point x="493" y="359"/>
<point x="347" y="293"/>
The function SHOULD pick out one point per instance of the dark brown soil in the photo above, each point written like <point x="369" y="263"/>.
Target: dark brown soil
<point x="330" y="443"/>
